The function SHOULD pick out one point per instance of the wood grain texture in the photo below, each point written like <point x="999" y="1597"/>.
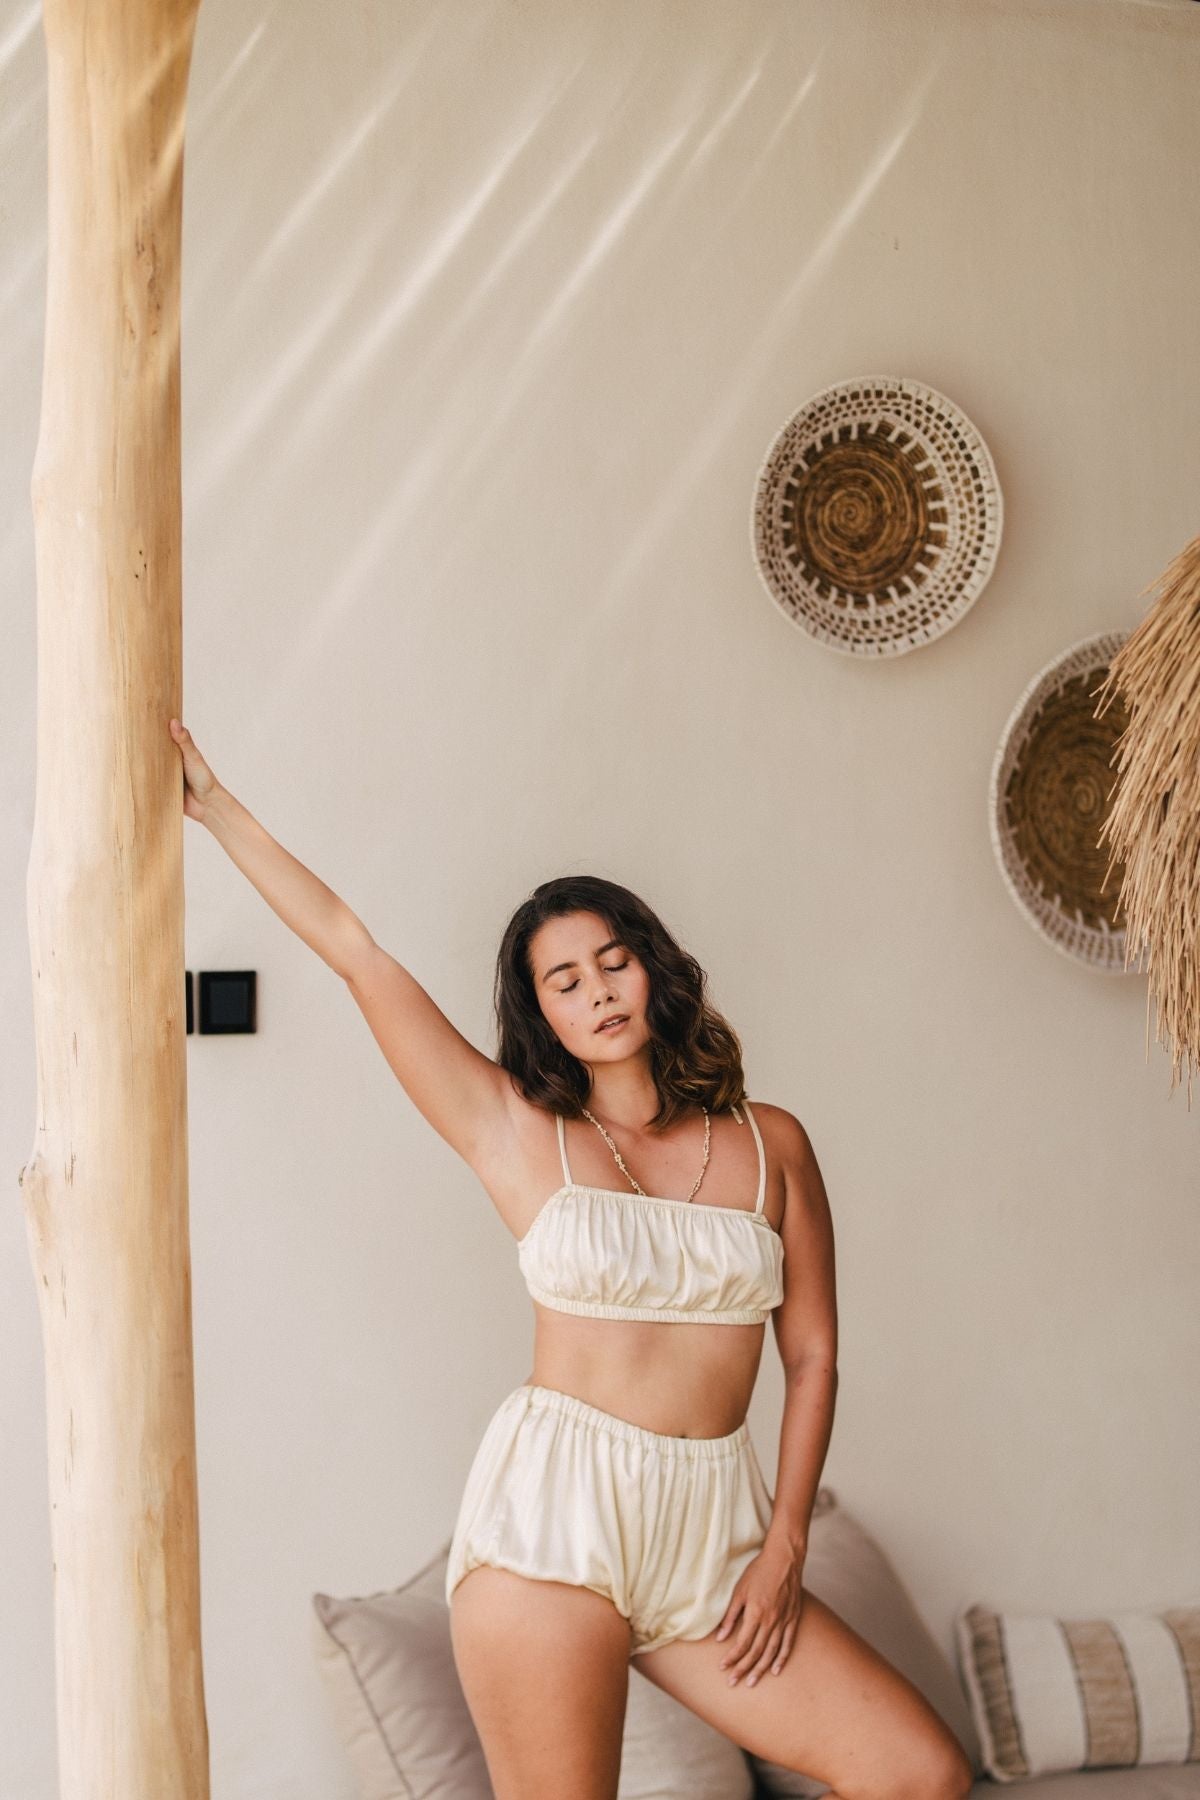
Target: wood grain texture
<point x="105" y="1188"/>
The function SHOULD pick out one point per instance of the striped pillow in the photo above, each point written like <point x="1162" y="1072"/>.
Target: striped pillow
<point x="1053" y="1694"/>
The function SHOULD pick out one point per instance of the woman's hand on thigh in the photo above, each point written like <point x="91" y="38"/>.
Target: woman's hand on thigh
<point x="839" y="1713"/>
<point x="763" y="1615"/>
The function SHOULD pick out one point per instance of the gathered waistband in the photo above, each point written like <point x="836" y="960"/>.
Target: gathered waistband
<point x="544" y="1399"/>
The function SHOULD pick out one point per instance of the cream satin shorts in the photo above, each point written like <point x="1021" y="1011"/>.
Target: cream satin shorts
<point x="663" y="1526"/>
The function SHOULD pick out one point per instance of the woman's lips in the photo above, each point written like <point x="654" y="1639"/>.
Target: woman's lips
<point x="613" y="1024"/>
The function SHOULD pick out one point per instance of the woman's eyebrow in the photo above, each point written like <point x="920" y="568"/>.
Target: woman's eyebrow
<point x="612" y="944"/>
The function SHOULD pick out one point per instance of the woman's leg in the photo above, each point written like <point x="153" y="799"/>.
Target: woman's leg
<point x="837" y="1711"/>
<point x="544" y="1666"/>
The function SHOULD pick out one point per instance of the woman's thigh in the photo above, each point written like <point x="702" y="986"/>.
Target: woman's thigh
<point x="544" y="1666"/>
<point x="837" y="1711"/>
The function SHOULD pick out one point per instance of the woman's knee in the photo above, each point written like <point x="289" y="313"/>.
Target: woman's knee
<point x="935" y="1770"/>
<point x="940" y="1772"/>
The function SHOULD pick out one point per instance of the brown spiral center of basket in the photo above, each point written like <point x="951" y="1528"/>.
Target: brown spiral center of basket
<point x="859" y="516"/>
<point x="1057" y="799"/>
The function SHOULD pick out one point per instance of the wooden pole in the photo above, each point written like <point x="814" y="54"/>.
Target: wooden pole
<point x="105" y="1188"/>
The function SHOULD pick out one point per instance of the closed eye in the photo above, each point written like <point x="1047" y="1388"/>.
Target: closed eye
<point x="609" y="969"/>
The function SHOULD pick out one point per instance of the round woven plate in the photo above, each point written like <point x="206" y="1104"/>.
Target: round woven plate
<point x="1052" y="780"/>
<point x="876" y="516"/>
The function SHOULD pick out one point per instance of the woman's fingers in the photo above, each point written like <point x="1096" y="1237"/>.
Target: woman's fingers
<point x="789" y="1634"/>
<point x="731" y="1613"/>
<point x="743" y="1659"/>
<point x="769" y="1648"/>
<point x="198" y="778"/>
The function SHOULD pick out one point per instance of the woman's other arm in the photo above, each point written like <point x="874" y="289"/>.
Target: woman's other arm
<point x="313" y="911"/>
<point x="806" y="1333"/>
<point x="463" y="1093"/>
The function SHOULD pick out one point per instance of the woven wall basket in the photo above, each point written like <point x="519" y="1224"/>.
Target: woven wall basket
<point x="876" y="516"/>
<point x="1052" y="782"/>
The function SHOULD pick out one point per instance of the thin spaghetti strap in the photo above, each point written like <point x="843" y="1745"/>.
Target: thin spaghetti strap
<point x="762" y="1157"/>
<point x="562" y="1151"/>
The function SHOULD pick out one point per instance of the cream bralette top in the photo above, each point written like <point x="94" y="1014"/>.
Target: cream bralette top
<point x="609" y="1253"/>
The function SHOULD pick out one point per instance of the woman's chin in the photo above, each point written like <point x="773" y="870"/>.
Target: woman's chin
<point x="625" y="1043"/>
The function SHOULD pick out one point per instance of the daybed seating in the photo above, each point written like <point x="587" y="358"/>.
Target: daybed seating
<point x="400" y="1711"/>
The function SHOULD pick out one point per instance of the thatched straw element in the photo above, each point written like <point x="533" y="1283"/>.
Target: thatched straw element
<point x="1154" y="821"/>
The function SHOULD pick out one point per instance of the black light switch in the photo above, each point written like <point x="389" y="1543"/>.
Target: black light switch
<point x="227" y="1000"/>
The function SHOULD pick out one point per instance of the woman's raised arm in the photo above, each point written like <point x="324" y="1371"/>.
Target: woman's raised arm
<point x="463" y="1093"/>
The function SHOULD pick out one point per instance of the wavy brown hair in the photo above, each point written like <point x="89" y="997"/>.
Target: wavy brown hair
<point x="695" y="1054"/>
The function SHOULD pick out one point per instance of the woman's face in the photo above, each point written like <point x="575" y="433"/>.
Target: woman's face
<point x="582" y="976"/>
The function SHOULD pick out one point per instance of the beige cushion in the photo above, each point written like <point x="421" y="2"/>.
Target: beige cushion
<point x="847" y="1569"/>
<point x="400" y="1710"/>
<point x="397" y="1702"/>
<point x="669" y="1754"/>
<point x="1051" y="1694"/>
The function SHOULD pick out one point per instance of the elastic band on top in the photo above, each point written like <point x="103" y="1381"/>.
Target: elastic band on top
<point x="544" y="1399"/>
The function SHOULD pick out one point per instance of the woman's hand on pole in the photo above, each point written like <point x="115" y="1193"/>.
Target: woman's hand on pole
<point x="303" y="901"/>
<point x="199" y="782"/>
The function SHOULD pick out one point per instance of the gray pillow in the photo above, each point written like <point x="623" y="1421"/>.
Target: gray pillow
<point x="847" y="1569"/>
<point x="401" y="1713"/>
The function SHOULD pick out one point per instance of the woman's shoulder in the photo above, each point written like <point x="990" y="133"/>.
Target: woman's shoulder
<point x="786" y="1141"/>
<point x="785" y="1128"/>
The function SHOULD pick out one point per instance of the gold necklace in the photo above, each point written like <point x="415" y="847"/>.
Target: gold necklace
<point x="620" y="1159"/>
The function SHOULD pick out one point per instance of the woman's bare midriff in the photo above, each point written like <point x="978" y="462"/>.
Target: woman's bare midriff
<point x="685" y="1379"/>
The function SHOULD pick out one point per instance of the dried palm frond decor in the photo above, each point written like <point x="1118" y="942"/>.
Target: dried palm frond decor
<point x="1050" y="789"/>
<point x="1154" y="822"/>
<point x="876" y="517"/>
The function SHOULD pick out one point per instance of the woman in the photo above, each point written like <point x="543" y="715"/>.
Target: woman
<point x="615" y="1507"/>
